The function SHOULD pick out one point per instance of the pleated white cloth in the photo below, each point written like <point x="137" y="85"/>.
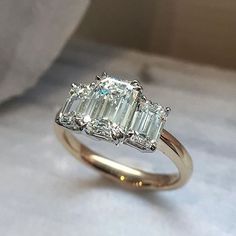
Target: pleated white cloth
<point x="32" y="34"/>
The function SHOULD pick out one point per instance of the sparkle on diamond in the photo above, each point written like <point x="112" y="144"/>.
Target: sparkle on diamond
<point x="111" y="107"/>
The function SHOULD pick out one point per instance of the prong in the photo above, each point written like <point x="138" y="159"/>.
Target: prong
<point x="86" y="119"/>
<point x="92" y="84"/>
<point x="104" y="74"/>
<point x="116" y="141"/>
<point x="130" y="133"/>
<point x="80" y="122"/>
<point x="117" y="135"/>
<point x="135" y="82"/>
<point x="153" y="146"/>
<point x="98" y="78"/>
<point x="137" y="86"/>
<point x="58" y="117"/>
<point x="167" y="110"/>
<point x="144" y="98"/>
<point x="74" y="86"/>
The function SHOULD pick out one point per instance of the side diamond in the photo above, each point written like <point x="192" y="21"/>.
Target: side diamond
<point x="147" y="124"/>
<point x="74" y="105"/>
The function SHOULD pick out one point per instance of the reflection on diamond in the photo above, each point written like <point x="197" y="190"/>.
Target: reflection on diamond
<point x="114" y="110"/>
<point x="147" y="122"/>
<point x="111" y="100"/>
<point x="100" y="129"/>
<point x="75" y="104"/>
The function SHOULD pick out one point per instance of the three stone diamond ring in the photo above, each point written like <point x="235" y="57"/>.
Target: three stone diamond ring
<point x="117" y="111"/>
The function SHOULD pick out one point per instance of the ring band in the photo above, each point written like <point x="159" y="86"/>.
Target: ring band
<point x="116" y="111"/>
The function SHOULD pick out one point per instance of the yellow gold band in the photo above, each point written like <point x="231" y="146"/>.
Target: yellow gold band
<point x="132" y="177"/>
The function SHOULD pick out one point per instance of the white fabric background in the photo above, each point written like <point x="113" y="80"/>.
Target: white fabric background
<point x="32" y="33"/>
<point x="45" y="191"/>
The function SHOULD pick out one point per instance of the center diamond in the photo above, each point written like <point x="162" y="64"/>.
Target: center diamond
<point x="113" y="101"/>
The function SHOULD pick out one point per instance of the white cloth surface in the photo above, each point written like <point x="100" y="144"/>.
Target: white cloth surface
<point x="32" y="34"/>
<point x="45" y="191"/>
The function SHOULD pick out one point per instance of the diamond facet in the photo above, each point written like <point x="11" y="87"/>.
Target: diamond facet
<point x="147" y="124"/>
<point x="112" y="100"/>
<point x="75" y="104"/>
<point x="116" y="111"/>
<point x="100" y="129"/>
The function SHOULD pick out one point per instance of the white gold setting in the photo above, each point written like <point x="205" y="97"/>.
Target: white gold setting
<point x="114" y="110"/>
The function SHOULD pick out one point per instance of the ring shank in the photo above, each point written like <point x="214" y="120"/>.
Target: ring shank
<point x="132" y="177"/>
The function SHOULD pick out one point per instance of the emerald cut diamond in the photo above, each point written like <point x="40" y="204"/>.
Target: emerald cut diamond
<point x="116" y="111"/>
<point x="75" y="104"/>
<point x="147" y="124"/>
<point x="111" y="101"/>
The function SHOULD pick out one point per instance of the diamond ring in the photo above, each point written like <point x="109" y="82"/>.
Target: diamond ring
<point x="117" y="111"/>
